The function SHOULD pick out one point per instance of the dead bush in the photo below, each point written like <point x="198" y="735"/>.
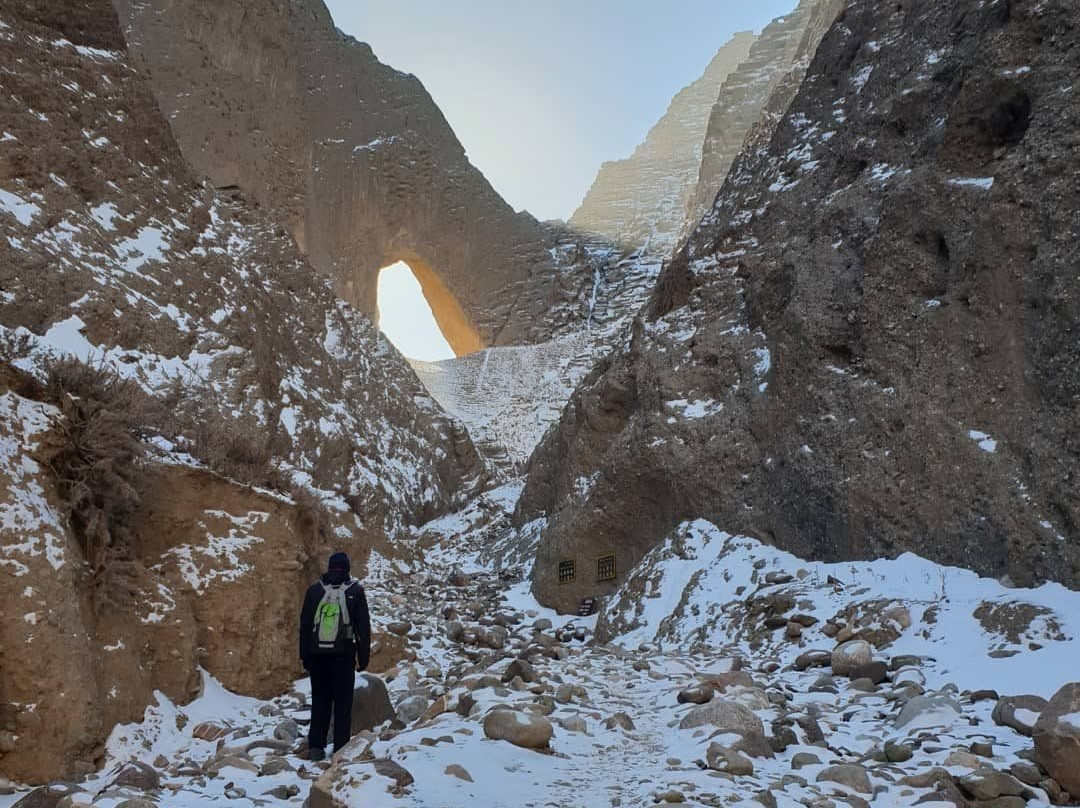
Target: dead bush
<point x="96" y="453"/>
<point x="238" y="448"/>
<point x="15" y="345"/>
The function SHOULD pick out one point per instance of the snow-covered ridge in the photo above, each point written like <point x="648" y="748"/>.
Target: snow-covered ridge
<point x="693" y="590"/>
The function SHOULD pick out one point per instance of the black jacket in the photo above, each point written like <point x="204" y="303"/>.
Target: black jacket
<point x="356" y="601"/>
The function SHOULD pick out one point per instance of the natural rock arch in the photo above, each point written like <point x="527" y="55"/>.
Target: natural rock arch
<point x="453" y="321"/>
<point x="353" y="158"/>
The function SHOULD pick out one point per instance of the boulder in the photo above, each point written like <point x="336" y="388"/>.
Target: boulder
<point x="850" y="656"/>
<point x="725" y="759"/>
<point x="218" y="764"/>
<point x="876" y="672"/>
<point x="696" y="694"/>
<point x="898" y="752"/>
<point x="801" y="759"/>
<point x="371" y="704"/>
<point x="851" y="775"/>
<point x="526" y="730"/>
<point x="731" y="717"/>
<point x="275" y="765"/>
<point x="813" y="659"/>
<point x="621" y="720"/>
<point x="724" y="714"/>
<point x="928" y="711"/>
<point x="574" y="723"/>
<point x="287" y="731"/>
<point x="411" y="708"/>
<point x="458" y="578"/>
<point x="1019" y="712"/>
<point x="1057" y="738"/>
<point x="521" y="668"/>
<point x="47" y="796"/>
<point x="987" y="784"/>
<point x="210" y="731"/>
<point x="494" y="638"/>
<point x="454" y="770"/>
<point x="722" y="681"/>
<point x="136" y="774"/>
<point x="395" y="771"/>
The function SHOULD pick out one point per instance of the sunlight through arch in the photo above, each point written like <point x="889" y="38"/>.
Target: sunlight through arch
<point x="405" y="316"/>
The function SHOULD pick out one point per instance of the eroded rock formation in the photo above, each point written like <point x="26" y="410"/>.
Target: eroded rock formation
<point x="351" y="155"/>
<point x="755" y="96"/>
<point x="112" y="252"/>
<point x="867" y="347"/>
<point x="642" y="201"/>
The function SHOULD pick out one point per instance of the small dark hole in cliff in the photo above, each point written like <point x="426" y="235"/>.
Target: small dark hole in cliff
<point x="1009" y="121"/>
<point x="987" y="118"/>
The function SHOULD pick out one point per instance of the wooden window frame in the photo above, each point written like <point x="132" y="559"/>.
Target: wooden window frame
<point x="569" y="564"/>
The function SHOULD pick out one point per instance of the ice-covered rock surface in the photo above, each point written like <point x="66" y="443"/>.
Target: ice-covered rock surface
<point x="509" y="396"/>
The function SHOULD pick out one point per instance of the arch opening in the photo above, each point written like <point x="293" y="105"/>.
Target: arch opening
<point x="418" y="314"/>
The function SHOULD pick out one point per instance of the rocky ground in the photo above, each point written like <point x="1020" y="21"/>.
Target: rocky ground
<point x="496" y="701"/>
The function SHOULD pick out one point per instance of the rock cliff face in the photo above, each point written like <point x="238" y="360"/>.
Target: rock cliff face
<point x="351" y="155"/>
<point x="112" y="252"/>
<point x="642" y="201"/>
<point x="111" y="249"/>
<point x="753" y="98"/>
<point x="71" y="672"/>
<point x="869" y="345"/>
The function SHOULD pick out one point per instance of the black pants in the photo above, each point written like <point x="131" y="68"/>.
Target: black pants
<point x="331" y="694"/>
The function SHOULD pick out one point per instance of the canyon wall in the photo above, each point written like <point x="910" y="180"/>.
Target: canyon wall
<point x="275" y="421"/>
<point x="641" y="201"/>
<point x="868" y="346"/>
<point x="755" y="96"/>
<point x="352" y="156"/>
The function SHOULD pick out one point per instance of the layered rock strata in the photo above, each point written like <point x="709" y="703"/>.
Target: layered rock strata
<point x="755" y="96"/>
<point x="641" y="202"/>
<point x="867" y="348"/>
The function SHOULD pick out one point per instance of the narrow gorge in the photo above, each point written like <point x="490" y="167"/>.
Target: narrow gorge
<point x="754" y="482"/>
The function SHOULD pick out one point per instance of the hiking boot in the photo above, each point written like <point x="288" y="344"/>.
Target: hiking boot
<point x="316" y="754"/>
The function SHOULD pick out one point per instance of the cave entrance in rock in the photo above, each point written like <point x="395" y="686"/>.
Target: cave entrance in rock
<point x="420" y="316"/>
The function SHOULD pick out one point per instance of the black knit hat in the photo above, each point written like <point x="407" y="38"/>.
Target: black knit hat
<point x="338" y="561"/>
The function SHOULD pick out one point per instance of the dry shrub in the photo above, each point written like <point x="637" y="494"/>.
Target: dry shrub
<point x="96" y="453"/>
<point x="15" y="345"/>
<point x="240" y="449"/>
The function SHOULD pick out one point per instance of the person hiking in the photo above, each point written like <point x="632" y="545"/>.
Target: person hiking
<point x="335" y="641"/>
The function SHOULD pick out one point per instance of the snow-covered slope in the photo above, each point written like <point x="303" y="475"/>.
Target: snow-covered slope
<point x="626" y="723"/>
<point x="509" y="396"/>
<point x="112" y="252"/>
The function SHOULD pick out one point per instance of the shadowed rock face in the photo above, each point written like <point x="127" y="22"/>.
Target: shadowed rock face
<point x="868" y="347"/>
<point x="642" y="200"/>
<point x="353" y="156"/>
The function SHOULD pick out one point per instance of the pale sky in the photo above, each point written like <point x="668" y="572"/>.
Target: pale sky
<point x="405" y="316"/>
<point x="540" y="92"/>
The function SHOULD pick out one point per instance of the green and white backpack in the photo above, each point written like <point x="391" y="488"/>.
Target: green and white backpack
<point x="333" y="627"/>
